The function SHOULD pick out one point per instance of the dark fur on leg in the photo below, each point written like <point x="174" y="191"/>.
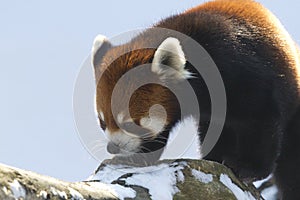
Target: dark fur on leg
<point x="288" y="165"/>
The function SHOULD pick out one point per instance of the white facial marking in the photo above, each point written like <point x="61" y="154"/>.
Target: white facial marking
<point x="120" y="118"/>
<point x="171" y="50"/>
<point x="98" y="41"/>
<point x="101" y="115"/>
<point x="127" y="143"/>
<point x="155" y="124"/>
<point x="145" y="121"/>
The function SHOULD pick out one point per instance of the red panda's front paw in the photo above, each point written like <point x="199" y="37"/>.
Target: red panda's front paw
<point x="251" y="174"/>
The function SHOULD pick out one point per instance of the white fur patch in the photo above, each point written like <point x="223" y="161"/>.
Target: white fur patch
<point x="155" y="124"/>
<point x="120" y="118"/>
<point x="156" y="120"/>
<point x="170" y="50"/>
<point x="126" y="142"/>
<point x="98" y="41"/>
<point x="184" y="141"/>
<point x="101" y="115"/>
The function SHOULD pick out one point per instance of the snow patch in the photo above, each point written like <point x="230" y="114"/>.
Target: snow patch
<point x="61" y="194"/>
<point x="5" y="190"/>
<point x="155" y="178"/>
<point x="17" y="189"/>
<point x="116" y="190"/>
<point x="257" y="184"/>
<point x="270" y="193"/>
<point x="180" y="176"/>
<point x="157" y="181"/>
<point x="202" y="177"/>
<point x="53" y="191"/>
<point x="123" y="192"/>
<point x="75" y="194"/>
<point x="43" y="194"/>
<point x="238" y="192"/>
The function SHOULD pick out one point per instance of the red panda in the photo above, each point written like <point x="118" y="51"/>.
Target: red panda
<point x="259" y="65"/>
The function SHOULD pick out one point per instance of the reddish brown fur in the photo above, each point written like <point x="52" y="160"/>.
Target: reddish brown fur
<point x="244" y="9"/>
<point x="256" y="14"/>
<point x="142" y="99"/>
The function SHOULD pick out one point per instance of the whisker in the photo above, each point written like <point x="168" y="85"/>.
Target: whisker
<point x="164" y="143"/>
<point x="144" y="148"/>
<point x="158" y="137"/>
<point x="147" y="135"/>
<point x="99" y="144"/>
<point x="98" y="141"/>
<point x="98" y="148"/>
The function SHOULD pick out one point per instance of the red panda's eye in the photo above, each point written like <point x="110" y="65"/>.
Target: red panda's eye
<point x="102" y="124"/>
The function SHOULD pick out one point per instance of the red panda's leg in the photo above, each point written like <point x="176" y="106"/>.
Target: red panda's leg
<point x="249" y="148"/>
<point x="258" y="148"/>
<point x="287" y="174"/>
<point x="225" y="148"/>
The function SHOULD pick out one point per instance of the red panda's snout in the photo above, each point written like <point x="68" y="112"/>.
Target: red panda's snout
<point x="113" y="149"/>
<point x="122" y="143"/>
<point x="137" y="137"/>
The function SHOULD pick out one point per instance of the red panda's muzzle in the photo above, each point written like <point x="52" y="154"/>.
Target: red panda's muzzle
<point x="112" y="148"/>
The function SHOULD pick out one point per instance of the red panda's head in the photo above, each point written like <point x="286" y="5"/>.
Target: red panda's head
<point x="142" y="123"/>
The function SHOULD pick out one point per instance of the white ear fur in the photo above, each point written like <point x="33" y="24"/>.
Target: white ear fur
<point x="170" y="53"/>
<point x="99" y="41"/>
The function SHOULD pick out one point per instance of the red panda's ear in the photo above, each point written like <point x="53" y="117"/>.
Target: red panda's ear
<point x="169" y="61"/>
<point x="100" y="46"/>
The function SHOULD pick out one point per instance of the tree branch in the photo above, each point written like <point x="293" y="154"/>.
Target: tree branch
<point x="188" y="179"/>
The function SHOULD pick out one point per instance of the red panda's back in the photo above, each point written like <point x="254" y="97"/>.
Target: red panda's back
<point x="239" y="28"/>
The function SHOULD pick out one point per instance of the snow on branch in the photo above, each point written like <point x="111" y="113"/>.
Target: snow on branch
<point x="169" y="179"/>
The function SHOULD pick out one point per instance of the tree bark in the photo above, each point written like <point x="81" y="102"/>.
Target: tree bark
<point x="21" y="184"/>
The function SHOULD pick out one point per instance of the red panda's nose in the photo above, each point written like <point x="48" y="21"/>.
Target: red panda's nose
<point x="112" y="148"/>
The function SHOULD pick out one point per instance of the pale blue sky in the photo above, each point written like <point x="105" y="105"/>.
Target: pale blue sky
<point x="42" y="46"/>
